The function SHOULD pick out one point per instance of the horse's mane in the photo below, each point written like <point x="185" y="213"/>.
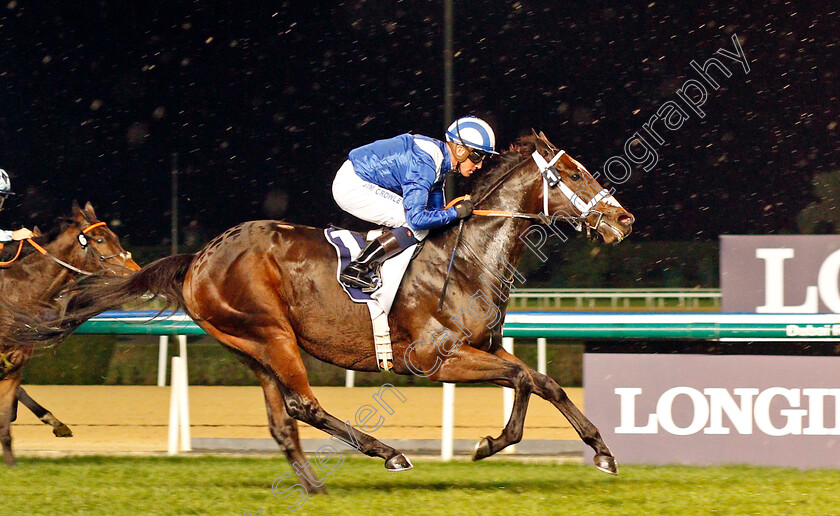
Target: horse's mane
<point x="508" y="159"/>
<point x="60" y="226"/>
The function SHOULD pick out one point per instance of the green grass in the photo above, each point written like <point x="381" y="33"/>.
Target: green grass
<point x="214" y="485"/>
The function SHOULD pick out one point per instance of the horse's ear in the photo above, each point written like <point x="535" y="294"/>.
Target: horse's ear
<point x="36" y="231"/>
<point x="544" y="138"/>
<point x="89" y="209"/>
<point x="519" y="148"/>
<point x="77" y="211"/>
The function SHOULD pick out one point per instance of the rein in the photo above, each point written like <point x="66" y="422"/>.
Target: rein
<point x="56" y="260"/>
<point x="6" y="264"/>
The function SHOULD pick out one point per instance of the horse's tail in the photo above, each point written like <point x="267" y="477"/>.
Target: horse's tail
<point x="95" y="294"/>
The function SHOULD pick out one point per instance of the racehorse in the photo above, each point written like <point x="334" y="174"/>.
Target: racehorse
<point x="267" y="288"/>
<point x="80" y="245"/>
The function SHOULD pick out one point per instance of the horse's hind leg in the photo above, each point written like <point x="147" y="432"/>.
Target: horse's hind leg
<point x="547" y="388"/>
<point x="59" y="428"/>
<point x="284" y="428"/>
<point x="8" y="397"/>
<point x="279" y="354"/>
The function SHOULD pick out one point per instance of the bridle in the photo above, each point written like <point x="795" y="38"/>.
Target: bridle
<point x="87" y="245"/>
<point x="550" y="179"/>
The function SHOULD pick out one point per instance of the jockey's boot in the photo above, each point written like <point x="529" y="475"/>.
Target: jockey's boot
<point x="363" y="272"/>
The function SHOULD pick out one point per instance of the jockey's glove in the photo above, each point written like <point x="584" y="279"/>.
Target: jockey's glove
<point x="464" y="208"/>
<point x="22" y="234"/>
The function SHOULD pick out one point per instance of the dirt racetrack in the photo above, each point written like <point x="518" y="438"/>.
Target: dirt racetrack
<point x="127" y="419"/>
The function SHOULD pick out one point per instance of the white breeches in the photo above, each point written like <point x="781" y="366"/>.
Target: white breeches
<point x="368" y="201"/>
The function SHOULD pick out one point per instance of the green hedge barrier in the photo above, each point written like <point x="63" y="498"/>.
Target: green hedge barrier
<point x="133" y="360"/>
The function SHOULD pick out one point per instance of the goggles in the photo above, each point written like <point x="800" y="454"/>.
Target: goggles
<point x="477" y="156"/>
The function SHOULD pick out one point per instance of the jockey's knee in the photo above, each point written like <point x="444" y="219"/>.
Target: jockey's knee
<point x="416" y="235"/>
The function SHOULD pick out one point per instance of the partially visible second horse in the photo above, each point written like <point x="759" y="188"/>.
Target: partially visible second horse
<point x="267" y="288"/>
<point x="78" y="246"/>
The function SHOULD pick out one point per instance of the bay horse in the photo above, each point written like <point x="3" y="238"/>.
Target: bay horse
<point x="267" y="288"/>
<point x="79" y="245"/>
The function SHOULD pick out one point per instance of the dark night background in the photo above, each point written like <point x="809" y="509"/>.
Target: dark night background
<point x="263" y="102"/>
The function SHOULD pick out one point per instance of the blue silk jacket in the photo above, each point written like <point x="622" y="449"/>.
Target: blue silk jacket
<point x="414" y="167"/>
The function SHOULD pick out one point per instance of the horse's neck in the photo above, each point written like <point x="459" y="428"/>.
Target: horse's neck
<point x="495" y="240"/>
<point x="493" y="248"/>
<point x="34" y="283"/>
<point x="37" y="278"/>
<point x="490" y="247"/>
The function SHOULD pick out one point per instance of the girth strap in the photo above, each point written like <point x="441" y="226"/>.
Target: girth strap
<point x="382" y="342"/>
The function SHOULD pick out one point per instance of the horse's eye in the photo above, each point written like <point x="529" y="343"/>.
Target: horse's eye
<point x="575" y="177"/>
<point x="100" y="240"/>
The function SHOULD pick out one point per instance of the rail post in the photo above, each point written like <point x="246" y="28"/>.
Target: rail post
<point x="507" y="394"/>
<point x="163" y="345"/>
<point x="541" y="362"/>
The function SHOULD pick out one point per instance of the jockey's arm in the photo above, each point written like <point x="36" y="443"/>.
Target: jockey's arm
<point x="10" y="245"/>
<point x="18" y="234"/>
<point x="417" y="193"/>
<point x="436" y="198"/>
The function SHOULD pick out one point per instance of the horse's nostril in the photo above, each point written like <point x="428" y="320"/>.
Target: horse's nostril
<point x="626" y="219"/>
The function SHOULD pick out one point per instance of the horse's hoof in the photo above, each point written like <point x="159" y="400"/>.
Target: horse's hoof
<point x="482" y="449"/>
<point x="398" y="462"/>
<point x="313" y="489"/>
<point x="606" y="463"/>
<point x="63" y="431"/>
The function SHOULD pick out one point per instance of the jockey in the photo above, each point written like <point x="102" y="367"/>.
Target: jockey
<point x="5" y="191"/>
<point x="398" y="183"/>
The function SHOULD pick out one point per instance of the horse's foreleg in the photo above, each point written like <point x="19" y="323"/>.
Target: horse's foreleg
<point x="470" y="365"/>
<point x="59" y="428"/>
<point x="547" y="388"/>
<point x="8" y="397"/>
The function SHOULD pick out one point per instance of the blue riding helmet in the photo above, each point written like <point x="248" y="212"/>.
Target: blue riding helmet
<point x="473" y="132"/>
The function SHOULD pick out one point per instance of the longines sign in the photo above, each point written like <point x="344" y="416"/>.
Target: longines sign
<point x="780" y="274"/>
<point x="729" y="409"/>
<point x="701" y="409"/>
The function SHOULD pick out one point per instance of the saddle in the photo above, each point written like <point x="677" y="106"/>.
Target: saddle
<point x="348" y="244"/>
